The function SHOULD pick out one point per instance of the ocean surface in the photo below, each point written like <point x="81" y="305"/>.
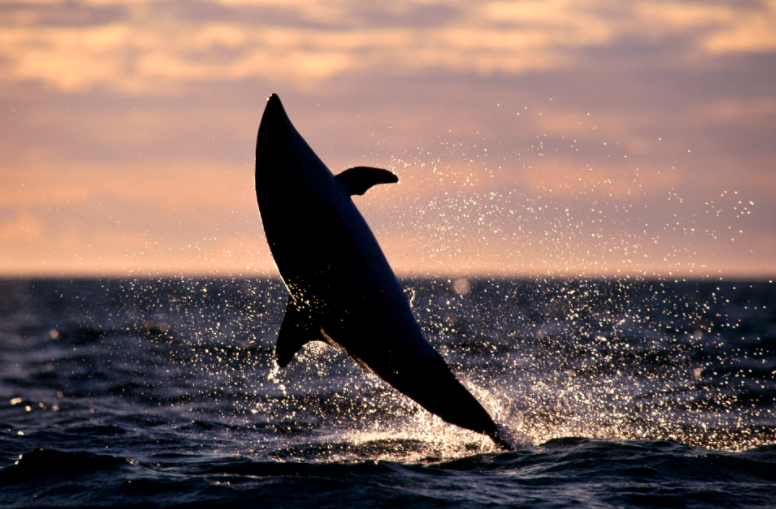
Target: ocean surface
<point x="164" y="393"/>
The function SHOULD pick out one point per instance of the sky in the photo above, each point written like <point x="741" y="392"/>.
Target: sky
<point x="564" y="138"/>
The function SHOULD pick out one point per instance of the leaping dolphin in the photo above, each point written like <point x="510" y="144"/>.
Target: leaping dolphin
<point x="341" y="289"/>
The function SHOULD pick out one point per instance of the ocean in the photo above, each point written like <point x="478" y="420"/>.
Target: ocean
<point x="164" y="393"/>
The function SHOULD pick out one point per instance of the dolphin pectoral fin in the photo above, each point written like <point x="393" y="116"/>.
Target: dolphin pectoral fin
<point x="296" y="331"/>
<point x="359" y="179"/>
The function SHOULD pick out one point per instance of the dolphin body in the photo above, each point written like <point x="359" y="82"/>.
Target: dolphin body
<point x="342" y="290"/>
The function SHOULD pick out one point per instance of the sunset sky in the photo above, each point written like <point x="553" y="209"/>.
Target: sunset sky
<point x="560" y="137"/>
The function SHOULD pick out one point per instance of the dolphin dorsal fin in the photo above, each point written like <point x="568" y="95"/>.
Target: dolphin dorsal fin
<point x="296" y="331"/>
<point x="359" y="179"/>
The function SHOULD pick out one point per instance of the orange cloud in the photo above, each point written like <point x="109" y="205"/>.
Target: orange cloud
<point x="725" y="29"/>
<point x="154" y="49"/>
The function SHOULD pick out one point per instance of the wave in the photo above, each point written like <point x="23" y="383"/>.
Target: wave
<point x="565" y="472"/>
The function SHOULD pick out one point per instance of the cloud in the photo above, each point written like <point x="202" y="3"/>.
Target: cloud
<point x="732" y="28"/>
<point x="151" y="48"/>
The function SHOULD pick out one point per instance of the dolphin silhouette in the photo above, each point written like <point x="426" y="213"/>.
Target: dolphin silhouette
<point x="341" y="289"/>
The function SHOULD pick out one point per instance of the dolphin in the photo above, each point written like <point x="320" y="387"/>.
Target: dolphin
<point x="342" y="290"/>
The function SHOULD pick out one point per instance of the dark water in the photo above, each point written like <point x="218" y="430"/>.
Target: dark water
<point x="159" y="393"/>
